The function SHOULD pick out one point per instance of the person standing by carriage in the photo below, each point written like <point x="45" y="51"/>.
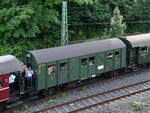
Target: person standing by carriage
<point x="29" y="74"/>
<point x="11" y="82"/>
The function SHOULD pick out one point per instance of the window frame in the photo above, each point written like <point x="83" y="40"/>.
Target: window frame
<point x="93" y="60"/>
<point x="65" y="67"/>
<point x="84" y="64"/>
<point x="144" y="52"/>
<point x="133" y="52"/>
<point x="1" y="83"/>
<point x="53" y="72"/>
<point x="117" y="55"/>
<point x="109" y="55"/>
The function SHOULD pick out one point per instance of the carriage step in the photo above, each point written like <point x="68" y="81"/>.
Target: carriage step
<point x="13" y="98"/>
<point x="14" y="104"/>
<point x="136" y="69"/>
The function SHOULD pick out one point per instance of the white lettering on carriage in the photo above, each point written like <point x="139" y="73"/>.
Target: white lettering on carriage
<point x="100" y="67"/>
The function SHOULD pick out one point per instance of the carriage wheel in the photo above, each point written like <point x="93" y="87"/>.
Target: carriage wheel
<point x="2" y="106"/>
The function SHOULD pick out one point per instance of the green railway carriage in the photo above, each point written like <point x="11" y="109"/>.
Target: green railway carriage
<point x="138" y="47"/>
<point x="59" y="65"/>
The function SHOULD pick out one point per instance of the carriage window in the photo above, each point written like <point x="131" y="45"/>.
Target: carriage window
<point x="143" y="51"/>
<point x="117" y="53"/>
<point x="92" y="60"/>
<point x="109" y="55"/>
<point x="1" y="83"/>
<point x="28" y="55"/>
<point x="133" y="52"/>
<point x="51" y="69"/>
<point x="63" y="66"/>
<point x="83" y="62"/>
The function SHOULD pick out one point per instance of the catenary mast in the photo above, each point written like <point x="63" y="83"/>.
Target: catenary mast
<point x="64" y="25"/>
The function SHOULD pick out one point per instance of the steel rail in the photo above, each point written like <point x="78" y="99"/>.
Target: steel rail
<point x="77" y="89"/>
<point x="109" y="100"/>
<point x="88" y="97"/>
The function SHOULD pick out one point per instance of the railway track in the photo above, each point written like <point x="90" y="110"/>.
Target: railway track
<point x="98" y="98"/>
<point x="76" y="89"/>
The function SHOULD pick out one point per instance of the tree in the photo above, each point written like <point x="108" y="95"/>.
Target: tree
<point x="117" y="26"/>
<point x="30" y="24"/>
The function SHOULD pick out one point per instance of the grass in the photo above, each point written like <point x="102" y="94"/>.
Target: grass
<point x="137" y="105"/>
<point x="26" y="107"/>
<point x="63" y="94"/>
<point x="84" y="88"/>
<point x="50" y="101"/>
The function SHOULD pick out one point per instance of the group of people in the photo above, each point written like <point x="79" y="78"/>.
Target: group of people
<point x="26" y="79"/>
<point x="27" y="74"/>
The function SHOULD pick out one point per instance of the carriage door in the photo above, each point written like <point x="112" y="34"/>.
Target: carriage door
<point x="52" y="74"/>
<point x="117" y="59"/>
<point x="92" y="67"/>
<point x="109" y="61"/>
<point x="74" y="69"/>
<point x="100" y="63"/>
<point x="83" y="67"/>
<point x="62" y="72"/>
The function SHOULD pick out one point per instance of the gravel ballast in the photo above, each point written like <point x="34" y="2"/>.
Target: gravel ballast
<point x="125" y="105"/>
<point x="95" y="89"/>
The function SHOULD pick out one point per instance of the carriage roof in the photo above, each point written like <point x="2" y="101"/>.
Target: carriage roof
<point x="75" y="50"/>
<point x="139" y="40"/>
<point x="9" y="64"/>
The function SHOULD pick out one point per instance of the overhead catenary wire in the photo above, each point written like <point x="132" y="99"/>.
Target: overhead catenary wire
<point x="124" y="15"/>
<point x="107" y="23"/>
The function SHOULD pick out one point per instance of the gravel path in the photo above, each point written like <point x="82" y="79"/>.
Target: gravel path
<point x="92" y="90"/>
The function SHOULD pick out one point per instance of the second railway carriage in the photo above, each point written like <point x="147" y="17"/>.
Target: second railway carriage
<point x="8" y="64"/>
<point x="59" y="65"/>
<point x="138" y="49"/>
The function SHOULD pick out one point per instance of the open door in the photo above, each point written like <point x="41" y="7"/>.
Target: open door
<point x="52" y="74"/>
<point x="92" y="66"/>
<point x="117" y="59"/>
<point x="109" y="61"/>
<point x="83" y="67"/>
<point x="62" y="72"/>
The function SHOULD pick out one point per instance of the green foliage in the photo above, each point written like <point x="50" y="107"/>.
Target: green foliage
<point x="63" y="94"/>
<point x="28" y="24"/>
<point x="27" y="27"/>
<point x="50" y="101"/>
<point x="137" y="105"/>
<point x="106" y="34"/>
<point x="117" y="27"/>
<point x="92" y="39"/>
<point x="34" y="24"/>
<point x="84" y="88"/>
<point x="26" y="107"/>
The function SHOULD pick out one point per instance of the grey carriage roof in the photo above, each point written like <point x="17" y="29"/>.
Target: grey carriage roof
<point x="74" y="50"/>
<point x="139" y="40"/>
<point x="9" y="64"/>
